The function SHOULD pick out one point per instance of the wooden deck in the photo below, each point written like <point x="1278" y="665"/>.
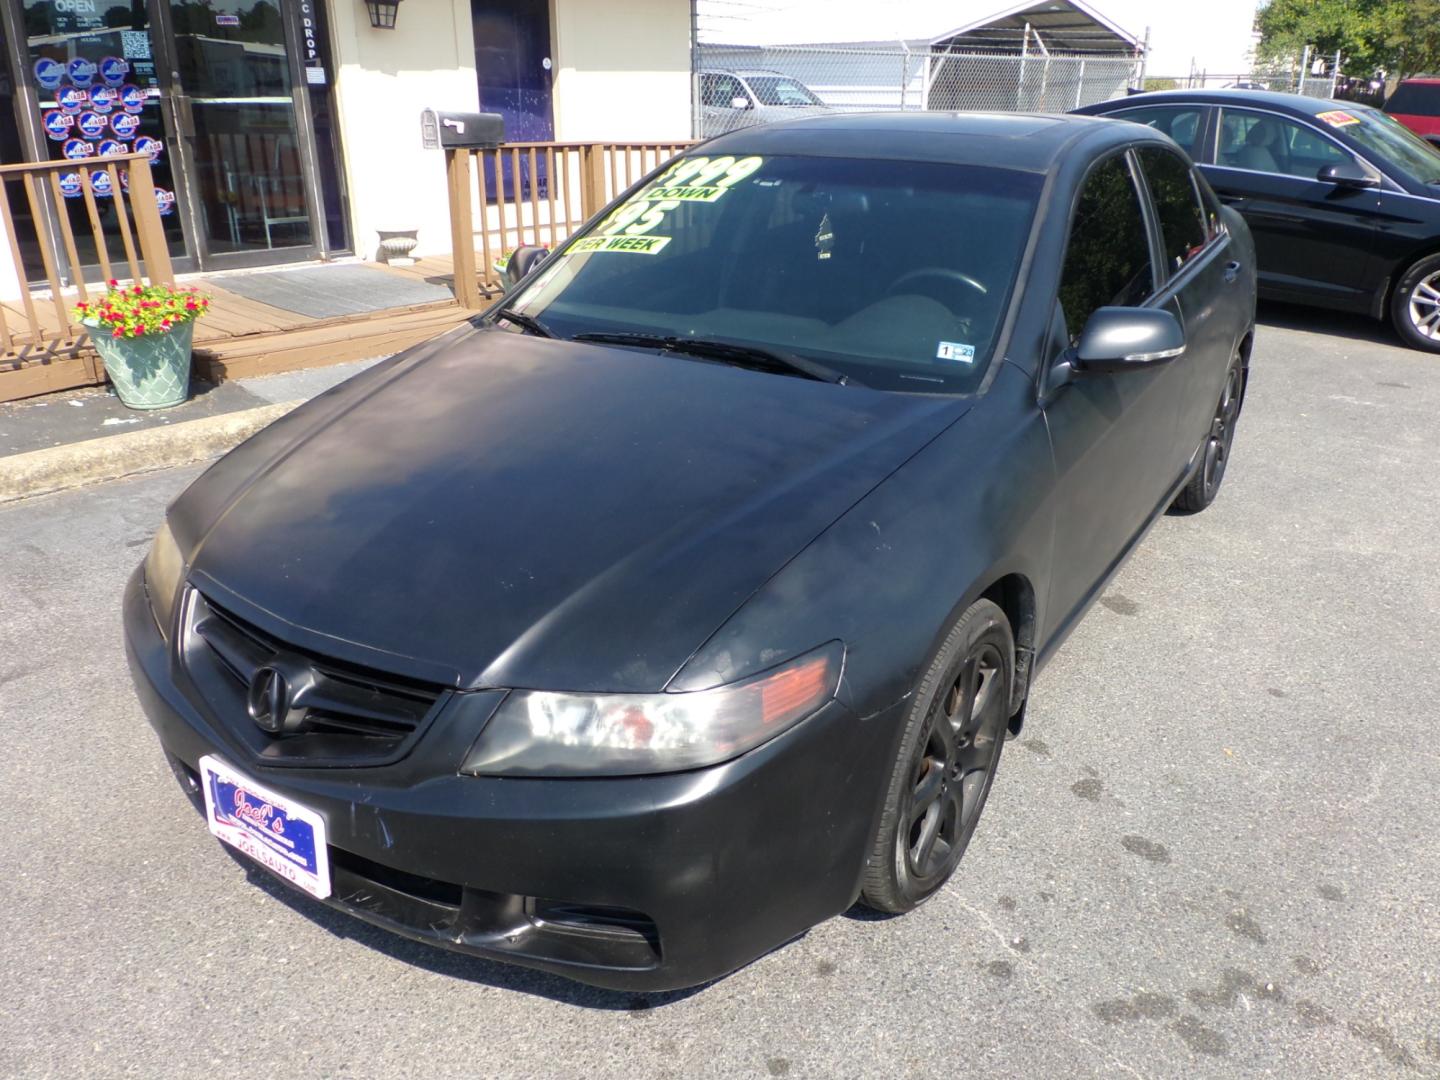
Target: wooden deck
<point x="238" y="336"/>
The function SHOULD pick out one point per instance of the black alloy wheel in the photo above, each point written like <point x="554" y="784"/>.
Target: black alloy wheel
<point x="947" y="762"/>
<point x="1204" y="483"/>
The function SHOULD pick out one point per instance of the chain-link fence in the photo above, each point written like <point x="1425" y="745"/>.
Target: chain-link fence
<point x="1318" y="86"/>
<point x="742" y="85"/>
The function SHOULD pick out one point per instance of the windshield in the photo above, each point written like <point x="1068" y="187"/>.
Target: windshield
<point x="776" y="90"/>
<point x="1387" y="138"/>
<point x="1415" y="99"/>
<point x="896" y="274"/>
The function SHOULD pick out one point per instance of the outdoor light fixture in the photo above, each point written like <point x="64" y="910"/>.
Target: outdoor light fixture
<point x="382" y="13"/>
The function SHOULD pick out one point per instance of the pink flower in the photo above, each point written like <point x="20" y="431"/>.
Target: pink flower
<point x="117" y="332"/>
<point x="139" y="330"/>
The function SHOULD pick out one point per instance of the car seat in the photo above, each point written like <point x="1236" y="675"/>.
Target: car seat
<point x="1256" y="153"/>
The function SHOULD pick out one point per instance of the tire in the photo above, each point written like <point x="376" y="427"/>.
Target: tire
<point x="948" y="755"/>
<point x="1415" y="305"/>
<point x="1204" y="483"/>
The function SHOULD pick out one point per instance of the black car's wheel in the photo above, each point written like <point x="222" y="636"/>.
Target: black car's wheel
<point x="948" y="754"/>
<point x="1415" y="306"/>
<point x="1204" y="483"/>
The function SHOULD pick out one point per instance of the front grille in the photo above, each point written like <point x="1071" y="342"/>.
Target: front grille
<point x="346" y="715"/>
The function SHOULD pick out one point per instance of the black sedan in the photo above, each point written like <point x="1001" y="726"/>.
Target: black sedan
<point x="689" y="596"/>
<point x="1343" y="200"/>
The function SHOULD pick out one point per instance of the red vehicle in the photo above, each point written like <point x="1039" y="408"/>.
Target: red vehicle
<point x="1416" y="104"/>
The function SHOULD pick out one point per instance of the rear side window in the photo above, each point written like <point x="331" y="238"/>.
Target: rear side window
<point x="1415" y="99"/>
<point x="1177" y="205"/>
<point x="1211" y="205"/>
<point x="1180" y="122"/>
<point x="720" y="90"/>
<point x="1107" y="260"/>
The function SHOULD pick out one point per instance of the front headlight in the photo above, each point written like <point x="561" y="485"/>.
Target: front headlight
<point x="163" y="567"/>
<point x="544" y="734"/>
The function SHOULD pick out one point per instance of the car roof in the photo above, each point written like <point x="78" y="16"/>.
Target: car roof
<point x="1423" y="80"/>
<point x="1296" y="104"/>
<point x="1029" y="142"/>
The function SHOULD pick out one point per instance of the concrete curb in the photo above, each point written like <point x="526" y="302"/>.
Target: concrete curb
<point x="41" y="472"/>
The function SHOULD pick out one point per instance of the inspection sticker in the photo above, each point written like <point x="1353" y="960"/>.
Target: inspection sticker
<point x="955" y="350"/>
<point x="639" y="245"/>
<point x="1337" y="118"/>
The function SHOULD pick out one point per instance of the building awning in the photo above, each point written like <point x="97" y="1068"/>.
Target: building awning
<point x="1050" y="27"/>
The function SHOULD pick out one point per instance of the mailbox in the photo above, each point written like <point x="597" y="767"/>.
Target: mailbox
<point x="461" y="130"/>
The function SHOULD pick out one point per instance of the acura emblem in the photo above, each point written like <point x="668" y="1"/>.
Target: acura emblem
<point x="269" y="699"/>
<point x="277" y="694"/>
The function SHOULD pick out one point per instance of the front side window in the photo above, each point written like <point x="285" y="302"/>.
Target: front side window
<point x="1177" y="205"/>
<point x="896" y="274"/>
<point x="777" y="90"/>
<point x="1263" y="142"/>
<point x="1180" y="122"/>
<point x="1107" y="258"/>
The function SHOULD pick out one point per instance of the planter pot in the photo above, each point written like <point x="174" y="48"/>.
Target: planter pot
<point x="396" y="245"/>
<point x="149" y="372"/>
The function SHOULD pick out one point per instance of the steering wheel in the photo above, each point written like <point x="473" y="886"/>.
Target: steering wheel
<point x="943" y="273"/>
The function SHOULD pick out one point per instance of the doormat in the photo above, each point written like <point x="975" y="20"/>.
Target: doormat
<point x="324" y="292"/>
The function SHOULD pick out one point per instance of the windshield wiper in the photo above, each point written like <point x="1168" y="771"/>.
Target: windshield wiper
<point x="748" y="356"/>
<point x="528" y="323"/>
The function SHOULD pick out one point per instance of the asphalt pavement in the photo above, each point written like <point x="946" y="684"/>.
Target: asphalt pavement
<point x="1213" y="852"/>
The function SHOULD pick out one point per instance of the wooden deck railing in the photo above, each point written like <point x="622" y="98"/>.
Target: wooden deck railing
<point x="35" y="329"/>
<point x="533" y="193"/>
<point x="521" y="193"/>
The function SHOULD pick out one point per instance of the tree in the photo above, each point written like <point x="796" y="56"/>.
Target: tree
<point x="1412" y="33"/>
<point x="1401" y="37"/>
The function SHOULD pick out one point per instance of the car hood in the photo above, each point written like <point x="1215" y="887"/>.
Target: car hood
<point x="515" y="511"/>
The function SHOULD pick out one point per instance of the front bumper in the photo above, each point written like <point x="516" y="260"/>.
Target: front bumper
<point x="633" y="883"/>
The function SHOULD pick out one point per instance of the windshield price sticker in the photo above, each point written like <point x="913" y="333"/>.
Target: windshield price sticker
<point x="636" y="245"/>
<point x="1337" y="118"/>
<point x="699" y="172"/>
<point x="684" y="194"/>
<point x="690" y="180"/>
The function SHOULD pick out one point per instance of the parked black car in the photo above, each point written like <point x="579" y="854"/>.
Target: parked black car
<point x="689" y="596"/>
<point x="1343" y="201"/>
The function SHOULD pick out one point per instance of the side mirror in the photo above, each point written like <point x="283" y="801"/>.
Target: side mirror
<point x="1348" y="174"/>
<point x="738" y="102"/>
<point x="522" y="261"/>
<point x="1124" y="339"/>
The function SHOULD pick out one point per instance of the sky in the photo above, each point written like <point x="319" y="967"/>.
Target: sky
<point x="1214" y="35"/>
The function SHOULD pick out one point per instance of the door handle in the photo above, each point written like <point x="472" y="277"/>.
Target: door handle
<point x="1236" y="201"/>
<point x="1232" y="271"/>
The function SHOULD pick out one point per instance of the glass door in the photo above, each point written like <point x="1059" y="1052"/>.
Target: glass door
<point x="89" y="86"/>
<point x="250" y="175"/>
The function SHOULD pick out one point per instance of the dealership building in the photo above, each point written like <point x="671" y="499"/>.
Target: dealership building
<point x="288" y="130"/>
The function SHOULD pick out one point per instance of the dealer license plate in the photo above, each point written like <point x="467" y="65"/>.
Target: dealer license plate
<point x="275" y="831"/>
